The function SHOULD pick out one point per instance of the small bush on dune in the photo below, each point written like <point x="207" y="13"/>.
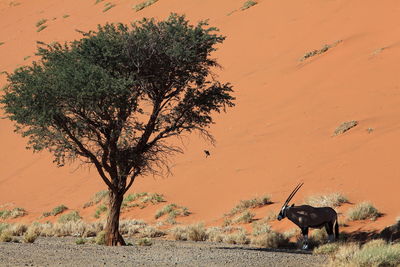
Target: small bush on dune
<point x="250" y="204"/>
<point x="100" y="210"/>
<point x="331" y="200"/>
<point x="245" y="217"/>
<point x="59" y="209"/>
<point x="144" y="4"/>
<point x="14" y="213"/>
<point x="173" y="211"/>
<point x="248" y="4"/>
<point x="363" y="211"/>
<point x="97" y="198"/>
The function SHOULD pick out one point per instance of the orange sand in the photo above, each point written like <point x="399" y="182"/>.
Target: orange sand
<point x="279" y="133"/>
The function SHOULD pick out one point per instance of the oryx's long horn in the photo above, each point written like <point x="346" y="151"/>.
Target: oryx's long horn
<point x="293" y="193"/>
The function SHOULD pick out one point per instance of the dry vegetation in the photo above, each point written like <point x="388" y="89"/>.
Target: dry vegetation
<point x="173" y="211"/>
<point x="56" y="210"/>
<point x="324" y="49"/>
<point x="97" y="198"/>
<point x="12" y="213"/>
<point x="363" y="211"/>
<point x="344" y="127"/>
<point x="248" y="4"/>
<point x="331" y="200"/>
<point x="144" y="4"/>
<point x="250" y="204"/>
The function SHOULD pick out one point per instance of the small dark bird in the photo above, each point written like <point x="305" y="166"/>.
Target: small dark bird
<point x="207" y="153"/>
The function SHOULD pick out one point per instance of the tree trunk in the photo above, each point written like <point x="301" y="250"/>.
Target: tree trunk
<point x="113" y="237"/>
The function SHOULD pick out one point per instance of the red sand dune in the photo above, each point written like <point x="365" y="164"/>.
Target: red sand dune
<point x="281" y="130"/>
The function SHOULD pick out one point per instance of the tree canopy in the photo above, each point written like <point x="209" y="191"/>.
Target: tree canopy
<point x="114" y="97"/>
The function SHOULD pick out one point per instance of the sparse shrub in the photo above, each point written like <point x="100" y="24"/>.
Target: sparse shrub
<point x="6" y="236"/>
<point x="30" y="237"/>
<point x="245" y="217"/>
<point x="100" y="210"/>
<point x="373" y="253"/>
<point x="318" y="237"/>
<point x="331" y="200"/>
<point x="14" y="213"/>
<point x="4" y="226"/>
<point x="59" y="209"/>
<point x="260" y="228"/>
<point x="215" y="234"/>
<point x="80" y="241"/>
<point x="239" y="238"/>
<point x="197" y="232"/>
<point x="248" y="4"/>
<point x="151" y="231"/>
<point x="65" y="16"/>
<point x="73" y="216"/>
<point x="41" y="22"/>
<point x="249" y="204"/>
<point x="98" y="1"/>
<point x="179" y="233"/>
<point x="271" y="239"/>
<point x="144" y="4"/>
<point x="99" y="196"/>
<point x="328" y="248"/>
<point x="1" y="43"/>
<point x="101" y="238"/>
<point x="173" y="211"/>
<point x="144" y="242"/>
<point x="344" y="127"/>
<point x="108" y="6"/>
<point x="131" y="227"/>
<point x="18" y="229"/>
<point x="363" y="211"/>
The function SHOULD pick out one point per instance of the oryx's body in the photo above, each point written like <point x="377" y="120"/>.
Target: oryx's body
<point x="306" y="217"/>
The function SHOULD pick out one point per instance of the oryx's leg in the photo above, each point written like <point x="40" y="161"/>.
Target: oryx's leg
<point x="329" y="231"/>
<point x="304" y="231"/>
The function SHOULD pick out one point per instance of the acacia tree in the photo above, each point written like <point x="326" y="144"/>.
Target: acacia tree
<point x="114" y="97"/>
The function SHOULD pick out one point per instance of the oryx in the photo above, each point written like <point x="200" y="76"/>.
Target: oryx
<point x="306" y="216"/>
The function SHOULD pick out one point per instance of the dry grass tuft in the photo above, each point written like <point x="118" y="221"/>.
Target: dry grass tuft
<point x="270" y="239"/>
<point x="151" y="231"/>
<point x="239" y="237"/>
<point x="373" y="253"/>
<point x="325" y="249"/>
<point x="324" y="49"/>
<point x="363" y="211"/>
<point x="248" y="4"/>
<point x="173" y="211"/>
<point x="245" y="217"/>
<point x="100" y="238"/>
<point x="14" y="213"/>
<point x="344" y="127"/>
<point x="6" y="236"/>
<point x="144" y="4"/>
<point x="30" y="237"/>
<point x="97" y="198"/>
<point x="250" y="204"/>
<point x="331" y="200"/>
<point x="144" y="242"/>
<point x="73" y="216"/>
<point x="100" y="210"/>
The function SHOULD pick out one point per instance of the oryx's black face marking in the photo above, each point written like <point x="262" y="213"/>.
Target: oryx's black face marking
<point x="282" y="213"/>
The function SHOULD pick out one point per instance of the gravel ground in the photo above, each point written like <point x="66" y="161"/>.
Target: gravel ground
<point x="64" y="252"/>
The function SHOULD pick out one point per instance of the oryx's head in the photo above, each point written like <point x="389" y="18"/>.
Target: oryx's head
<point x="282" y="213"/>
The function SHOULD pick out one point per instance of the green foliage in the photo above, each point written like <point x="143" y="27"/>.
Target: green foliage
<point x="73" y="216"/>
<point x="143" y="198"/>
<point x="100" y="210"/>
<point x="144" y="4"/>
<point x="363" y="211"/>
<point x="248" y="4"/>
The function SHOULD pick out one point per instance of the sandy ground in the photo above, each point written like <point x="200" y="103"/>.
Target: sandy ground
<point x="64" y="252"/>
<point x="281" y="130"/>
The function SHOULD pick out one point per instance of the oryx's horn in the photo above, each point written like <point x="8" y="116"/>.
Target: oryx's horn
<point x="293" y="193"/>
